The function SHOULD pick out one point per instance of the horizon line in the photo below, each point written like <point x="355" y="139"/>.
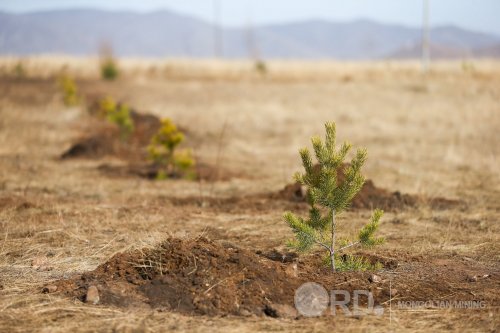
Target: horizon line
<point x="241" y="26"/>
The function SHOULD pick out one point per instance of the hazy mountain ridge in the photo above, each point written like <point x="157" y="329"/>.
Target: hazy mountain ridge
<point x="166" y="34"/>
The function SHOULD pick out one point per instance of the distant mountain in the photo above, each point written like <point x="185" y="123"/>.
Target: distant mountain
<point x="166" y="34"/>
<point x="492" y="51"/>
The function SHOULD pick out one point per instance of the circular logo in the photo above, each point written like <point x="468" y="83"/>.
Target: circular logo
<point x="311" y="299"/>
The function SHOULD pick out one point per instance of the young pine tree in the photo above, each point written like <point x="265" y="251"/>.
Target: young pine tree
<point x="109" y="66"/>
<point x="69" y="90"/>
<point x="109" y="69"/>
<point x="328" y="196"/>
<point x="118" y="114"/>
<point x="163" y="151"/>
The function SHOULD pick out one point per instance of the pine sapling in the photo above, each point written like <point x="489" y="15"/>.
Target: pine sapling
<point x="19" y="70"/>
<point x="118" y="114"/>
<point x="109" y="69"/>
<point x="261" y="67"/>
<point x="328" y="196"/>
<point x="163" y="150"/>
<point x="109" y="66"/>
<point x="69" y="90"/>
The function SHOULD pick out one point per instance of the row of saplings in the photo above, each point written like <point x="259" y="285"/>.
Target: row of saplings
<point x="327" y="196"/>
<point x="163" y="147"/>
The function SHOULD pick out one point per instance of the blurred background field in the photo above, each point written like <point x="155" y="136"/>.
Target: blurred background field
<point x="247" y="98"/>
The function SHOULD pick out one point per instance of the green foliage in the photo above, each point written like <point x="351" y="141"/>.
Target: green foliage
<point x="118" y="114"/>
<point x="347" y="262"/>
<point x="261" y="67"/>
<point x="19" y="70"/>
<point x="109" y="69"/>
<point x="328" y="197"/>
<point x="163" y="151"/>
<point x="69" y="90"/>
<point x="366" y="235"/>
<point x="468" y="66"/>
<point x="107" y="105"/>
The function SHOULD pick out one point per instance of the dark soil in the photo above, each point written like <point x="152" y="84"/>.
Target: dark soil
<point x="371" y="197"/>
<point x="293" y="198"/>
<point x="201" y="277"/>
<point x="105" y="140"/>
<point x="260" y="202"/>
<point x="194" y="277"/>
<point x="150" y="171"/>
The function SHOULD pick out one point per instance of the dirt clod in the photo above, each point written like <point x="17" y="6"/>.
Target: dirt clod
<point x="292" y="270"/>
<point x="38" y="262"/>
<point x="92" y="296"/>
<point x="374" y="278"/>
<point x="276" y="255"/>
<point x="281" y="311"/>
<point x="49" y="289"/>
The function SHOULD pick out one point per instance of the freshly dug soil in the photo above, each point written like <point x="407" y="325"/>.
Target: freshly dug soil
<point x="293" y="198"/>
<point x="106" y="141"/>
<point x="201" y="277"/>
<point x="371" y="197"/>
<point x="195" y="277"/>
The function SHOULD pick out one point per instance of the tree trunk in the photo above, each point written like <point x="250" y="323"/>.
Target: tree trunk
<point x="332" y="248"/>
<point x="332" y="261"/>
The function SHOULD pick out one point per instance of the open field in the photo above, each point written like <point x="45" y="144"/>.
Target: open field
<point x="433" y="136"/>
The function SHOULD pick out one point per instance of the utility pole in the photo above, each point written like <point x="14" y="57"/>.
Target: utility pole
<point x="425" y="37"/>
<point x="218" y="42"/>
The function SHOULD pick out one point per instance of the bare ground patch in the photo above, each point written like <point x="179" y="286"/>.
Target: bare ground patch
<point x="202" y="277"/>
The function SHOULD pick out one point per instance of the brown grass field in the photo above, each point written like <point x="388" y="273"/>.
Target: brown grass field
<point x="433" y="135"/>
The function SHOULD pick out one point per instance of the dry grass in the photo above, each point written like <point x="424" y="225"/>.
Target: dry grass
<point x="434" y="134"/>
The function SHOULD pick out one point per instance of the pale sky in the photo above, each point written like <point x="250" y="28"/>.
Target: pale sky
<point x="480" y="15"/>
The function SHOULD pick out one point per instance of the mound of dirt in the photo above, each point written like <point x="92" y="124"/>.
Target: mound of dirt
<point x="201" y="277"/>
<point x="193" y="277"/>
<point x="371" y="196"/>
<point x="96" y="146"/>
<point x="105" y="140"/>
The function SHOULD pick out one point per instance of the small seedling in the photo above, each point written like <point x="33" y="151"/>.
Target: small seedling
<point x="468" y="66"/>
<point x="19" y="70"/>
<point x="328" y="197"/>
<point x="118" y="114"/>
<point x="261" y="67"/>
<point x="163" y="151"/>
<point x="69" y="90"/>
<point x="109" y="69"/>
